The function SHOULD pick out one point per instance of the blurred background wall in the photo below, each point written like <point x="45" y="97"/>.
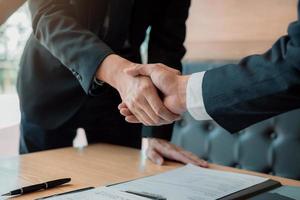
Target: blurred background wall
<point x="232" y="29"/>
<point x="13" y="36"/>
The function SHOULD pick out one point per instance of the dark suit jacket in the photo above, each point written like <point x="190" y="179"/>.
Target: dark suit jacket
<point x="72" y="37"/>
<point x="259" y="87"/>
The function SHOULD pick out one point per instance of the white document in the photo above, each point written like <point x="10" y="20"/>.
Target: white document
<point x="102" y="193"/>
<point x="192" y="183"/>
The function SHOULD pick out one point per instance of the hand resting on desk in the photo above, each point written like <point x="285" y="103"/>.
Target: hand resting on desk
<point x="159" y="149"/>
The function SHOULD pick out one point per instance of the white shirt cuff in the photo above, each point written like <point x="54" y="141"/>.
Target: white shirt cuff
<point x="195" y="103"/>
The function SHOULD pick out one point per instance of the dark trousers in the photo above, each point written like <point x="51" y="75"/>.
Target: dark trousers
<point x="99" y="117"/>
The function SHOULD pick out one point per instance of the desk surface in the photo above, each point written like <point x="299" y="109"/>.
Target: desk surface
<point x="95" y="165"/>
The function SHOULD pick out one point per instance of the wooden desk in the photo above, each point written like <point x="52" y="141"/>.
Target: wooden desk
<point x="94" y="166"/>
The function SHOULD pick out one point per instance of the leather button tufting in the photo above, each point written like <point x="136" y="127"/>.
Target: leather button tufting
<point x="210" y="127"/>
<point x="273" y="136"/>
<point x="181" y="123"/>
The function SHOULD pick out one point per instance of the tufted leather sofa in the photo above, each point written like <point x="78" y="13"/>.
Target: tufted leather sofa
<point x="271" y="146"/>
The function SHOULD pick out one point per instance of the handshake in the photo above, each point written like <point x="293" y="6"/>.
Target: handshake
<point x="152" y="94"/>
<point x="159" y="99"/>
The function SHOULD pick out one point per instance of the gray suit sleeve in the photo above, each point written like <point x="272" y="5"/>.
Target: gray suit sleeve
<point x="55" y="25"/>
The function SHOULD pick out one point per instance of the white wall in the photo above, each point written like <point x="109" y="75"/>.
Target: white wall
<point x="9" y="125"/>
<point x="9" y="141"/>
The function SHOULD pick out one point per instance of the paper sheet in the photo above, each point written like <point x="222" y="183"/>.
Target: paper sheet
<point x="102" y="193"/>
<point x="192" y="183"/>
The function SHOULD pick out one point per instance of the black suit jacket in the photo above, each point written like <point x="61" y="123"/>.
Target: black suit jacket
<point x="72" y="37"/>
<point x="259" y="87"/>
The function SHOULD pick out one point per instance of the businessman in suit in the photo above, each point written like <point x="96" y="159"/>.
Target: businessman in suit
<point x="236" y="95"/>
<point x="72" y="72"/>
<point x="42" y="134"/>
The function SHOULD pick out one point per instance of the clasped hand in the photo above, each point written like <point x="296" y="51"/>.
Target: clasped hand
<point x="141" y="102"/>
<point x="172" y="87"/>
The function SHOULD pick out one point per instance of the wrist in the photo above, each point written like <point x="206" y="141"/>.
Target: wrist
<point x="111" y="70"/>
<point x="181" y="88"/>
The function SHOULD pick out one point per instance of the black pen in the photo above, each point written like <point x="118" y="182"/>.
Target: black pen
<point x="147" y="195"/>
<point x="37" y="187"/>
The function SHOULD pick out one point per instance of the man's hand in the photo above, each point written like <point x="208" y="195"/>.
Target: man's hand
<point x="167" y="80"/>
<point x="137" y="92"/>
<point x="158" y="149"/>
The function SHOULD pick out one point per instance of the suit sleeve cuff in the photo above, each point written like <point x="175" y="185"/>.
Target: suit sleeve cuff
<point x="88" y="70"/>
<point x="195" y="103"/>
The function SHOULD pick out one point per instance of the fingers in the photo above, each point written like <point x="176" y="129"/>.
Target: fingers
<point x="143" y="113"/>
<point x="142" y="116"/>
<point x="175" y="153"/>
<point x="196" y="159"/>
<point x="122" y="105"/>
<point x="154" y="156"/>
<point x="147" y="110"/>
<point x="146" y="105"/>
<point x="125" y="112"/>
<point x="129" y="117"/>
<point x="137" y="115"/>
<point x="144" y="70"/>
<point x="159" y="108"/>
<point x="132" y="119"/>
<point x="141" y="110"/>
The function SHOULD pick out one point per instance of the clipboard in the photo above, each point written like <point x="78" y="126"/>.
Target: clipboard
<point x="253" y="191"/>
<point x="239" y="195"/>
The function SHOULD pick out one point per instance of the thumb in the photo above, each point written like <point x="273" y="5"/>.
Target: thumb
<point x="138" y="70"/>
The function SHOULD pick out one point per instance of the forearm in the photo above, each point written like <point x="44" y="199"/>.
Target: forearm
<point x="111" y="70"/>
<point x="182" y="91"/>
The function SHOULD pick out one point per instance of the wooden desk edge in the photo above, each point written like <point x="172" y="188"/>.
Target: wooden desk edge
<point x="170" y="164"/>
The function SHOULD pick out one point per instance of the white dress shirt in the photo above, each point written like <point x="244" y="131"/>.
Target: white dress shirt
<point x="194" y="97"/>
